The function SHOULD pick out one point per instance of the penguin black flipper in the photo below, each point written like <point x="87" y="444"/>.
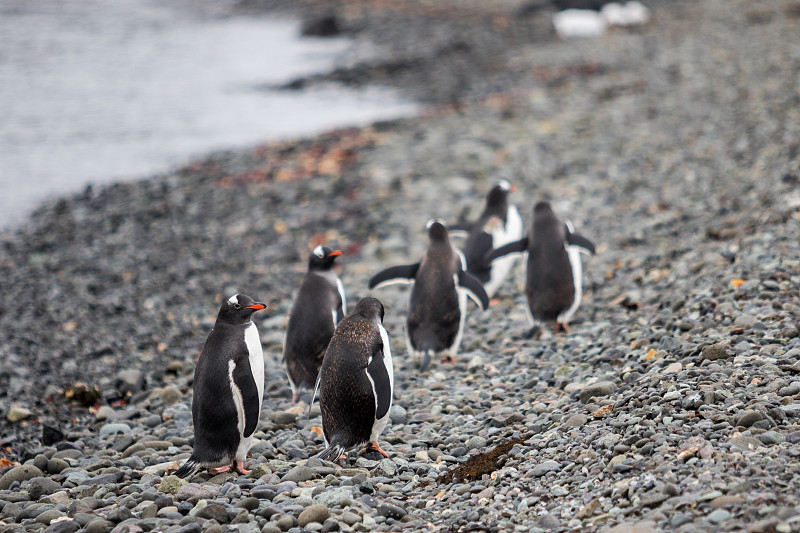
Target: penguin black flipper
<point x="460" y="230"/>
<point x="510" y="248"/>
<point x="395" y="274"/>
<point x="573" y="239"/>
<point x="379" y="375"/>
<point x="474" y="288"/>
<point x="244" y="381"/>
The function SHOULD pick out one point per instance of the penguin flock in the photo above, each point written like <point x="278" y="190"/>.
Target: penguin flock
<point x="346" y="359"/>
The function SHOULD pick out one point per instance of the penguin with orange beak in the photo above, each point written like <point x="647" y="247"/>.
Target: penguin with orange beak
<point x="228" y="390"/>
<point x="319" y="306"/>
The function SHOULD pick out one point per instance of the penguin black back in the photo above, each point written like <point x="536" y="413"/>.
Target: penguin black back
<point x="356" y="380"/>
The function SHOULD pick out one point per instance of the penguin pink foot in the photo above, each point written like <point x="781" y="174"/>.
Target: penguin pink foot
<point x="239" y="467"/>
<point x="220" y="470"/>
<point x="375" y="447"/>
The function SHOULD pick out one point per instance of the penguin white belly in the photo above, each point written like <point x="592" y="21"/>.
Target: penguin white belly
<point x="340" y="288"/>
<point x="502" y="235"/>
<point x="462" y="307"/>
<point x="574" y="254"/>
<point x="256" y="360"/>
<point x="379" y="424"/>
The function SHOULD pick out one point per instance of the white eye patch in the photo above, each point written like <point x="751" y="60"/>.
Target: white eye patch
<point x="319" y="252"/>
<point x="504" y="184"/>
<point x="233" y="299"/>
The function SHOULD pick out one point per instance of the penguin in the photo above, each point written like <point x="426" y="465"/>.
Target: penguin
<point x="228" y="389"/>
<point x="498" y="225"/>
<point x="553" y="279"/>
<point x="319" y="305"/>
<point x="438" y="303"/>
<point x="356" y="382"/>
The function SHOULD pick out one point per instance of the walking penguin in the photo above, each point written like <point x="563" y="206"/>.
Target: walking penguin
<point x="498" y="225"/>
<point x="438" y="305"/>
<point x="356" y="382"/>
<point x="553" y="284"/>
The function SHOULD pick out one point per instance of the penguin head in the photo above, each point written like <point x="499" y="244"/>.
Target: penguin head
<point x="542" y="208"/>
<point x="370" y="308"/>
<point x="437" y="231"/>
<point x="498" y="196"/>
<point x="322" y="258"/>
<point x="238" y="309"/>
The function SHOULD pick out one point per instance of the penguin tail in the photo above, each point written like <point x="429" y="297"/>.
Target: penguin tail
<point x="332" y="452"/>
<point x="190" y="467"/>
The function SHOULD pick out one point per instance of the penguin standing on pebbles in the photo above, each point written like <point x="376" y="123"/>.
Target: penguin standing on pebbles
<point x="553" y="284"/>
<point x="356" y="382"/>
<point x="228" y="389"/>
<point x="498" y="225"/>
<point x="438" y="305"/>
<point x="320" y="305"/>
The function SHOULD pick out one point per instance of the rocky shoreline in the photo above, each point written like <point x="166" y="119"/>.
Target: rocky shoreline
<point x="673" y="403"/>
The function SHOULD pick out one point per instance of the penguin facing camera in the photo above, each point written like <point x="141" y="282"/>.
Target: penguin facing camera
<point x="438" y="303"/>
<point x="356" y="382"/>
<point x="318" y="307"/>
<point x="228" y="390"/>
<point x="553" y="282"/>
<point x="498" y="225"/>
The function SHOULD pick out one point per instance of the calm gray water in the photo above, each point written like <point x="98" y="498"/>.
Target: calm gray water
<point x="95" y="91"/>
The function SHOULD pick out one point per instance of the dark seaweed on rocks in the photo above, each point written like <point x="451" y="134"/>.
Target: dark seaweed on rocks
<point x="480" y="464"/>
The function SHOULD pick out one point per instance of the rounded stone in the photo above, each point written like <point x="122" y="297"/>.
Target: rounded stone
<point x="313" y="513"/>
<point x="19" y="473"/>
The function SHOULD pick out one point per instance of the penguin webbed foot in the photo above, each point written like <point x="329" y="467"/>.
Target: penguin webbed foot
<point x="239" y="467"/>
<point x="560" y="326"/>
<point x="220" y="470"/>
<point x="534" y="333"/>
<point x="375" y="447"/>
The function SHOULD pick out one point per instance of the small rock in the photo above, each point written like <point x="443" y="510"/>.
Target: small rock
<point x="283" y="418"/>
<point x="170" y="395"/>
<point x="171" y="484"/>
<point x="716" y="351"/>
<point x="299" y="473"/>
<point x="19" y="473"/>
<point x="475" y="442"/>
<point x="130" y="381"/>
<point x="192" y="493"/>
<point x="391" y="511"/>
<point x="771" y="437"/>
<point x="548" y="521"/>
<point x="385" y="468"/>
<point x="576" y="421"/>
<point x="597" y="390"/>
<point x="214" y="511"/>
<point x="42" y="486"/>
<point x="15" y="414"/>
<point x="313" y="513"/>
<point x="545" y="467"/>
<point x="115" y="427"/>
<point x="718" y="516"/>
<point x="748" y="418"/>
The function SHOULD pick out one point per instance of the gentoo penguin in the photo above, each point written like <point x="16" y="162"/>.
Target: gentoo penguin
<point x="553" y="282"/>
<point x="228" y="388"/>
<point x="499" y="224"/>
<point x="438" y="305"/>
<point x="320" y="305"/>
<point x="356" y="382"/>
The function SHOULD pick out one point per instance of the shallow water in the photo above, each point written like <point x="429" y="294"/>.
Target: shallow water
<point x="103" y="90"/>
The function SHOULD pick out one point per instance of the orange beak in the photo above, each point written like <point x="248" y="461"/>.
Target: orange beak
<point x="513" y="188"/>
<point x="335" y="253"/>
<point x="256" y="306"/>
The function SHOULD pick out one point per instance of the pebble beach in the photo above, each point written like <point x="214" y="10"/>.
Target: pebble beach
<point x="672" y="404"/>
